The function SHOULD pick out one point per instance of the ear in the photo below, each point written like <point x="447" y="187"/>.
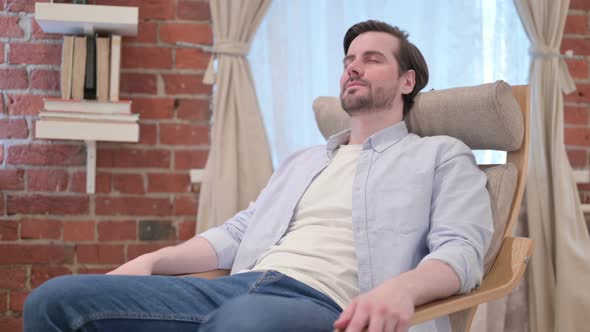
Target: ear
<point x="408" y="81"/>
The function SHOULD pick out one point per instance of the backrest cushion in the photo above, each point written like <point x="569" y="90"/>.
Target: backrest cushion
<point x="485" y="116"/>
<point x="501" y="187"/>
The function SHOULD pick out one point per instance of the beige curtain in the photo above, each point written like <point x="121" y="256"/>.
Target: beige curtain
<point x="559" y="292"/>
<point x="239" y="163"/>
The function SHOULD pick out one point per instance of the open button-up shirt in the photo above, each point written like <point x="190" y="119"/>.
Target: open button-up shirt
<point x="414" y="199"/>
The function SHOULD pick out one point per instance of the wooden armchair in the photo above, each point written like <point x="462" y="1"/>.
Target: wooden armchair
<point x="491" y="116"/>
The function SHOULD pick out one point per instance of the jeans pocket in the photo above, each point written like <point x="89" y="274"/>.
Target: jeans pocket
<point x="267" y="277"/>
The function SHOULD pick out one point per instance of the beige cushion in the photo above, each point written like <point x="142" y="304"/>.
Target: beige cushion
<point x="485" y="117"/>
<point x="501" y="187"/>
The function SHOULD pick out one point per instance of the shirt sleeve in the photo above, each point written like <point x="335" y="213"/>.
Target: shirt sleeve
<point x="461" y="225"/>
<point x="226" y="238"/>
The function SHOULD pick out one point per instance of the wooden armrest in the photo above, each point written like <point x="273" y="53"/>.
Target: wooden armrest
<point x="504" y="275"/>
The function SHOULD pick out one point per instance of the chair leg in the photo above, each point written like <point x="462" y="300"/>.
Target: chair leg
<point x="461" y="321"/>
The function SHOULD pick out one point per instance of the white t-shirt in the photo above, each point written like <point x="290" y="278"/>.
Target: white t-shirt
<point x="318" y="248"/>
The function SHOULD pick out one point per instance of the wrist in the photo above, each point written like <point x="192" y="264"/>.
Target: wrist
<point x="149" y="260"/>
<point x="404" y="284"/>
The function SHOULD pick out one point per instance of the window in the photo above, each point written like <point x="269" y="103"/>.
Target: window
<point x="297" y="52"/>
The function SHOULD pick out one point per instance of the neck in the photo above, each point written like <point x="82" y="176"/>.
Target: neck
<point x="365" y="124"/>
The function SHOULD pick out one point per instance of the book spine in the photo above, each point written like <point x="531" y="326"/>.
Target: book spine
<point x="102" y="68"/>
<point x="88" y="107"/>
<point x="79" y="67"/>
<point x="89" y="116"/>
<point x="67" y="62"/>
<point x="90" y="78"/>
<point x="115" y="67"/>
<point x="88" y="121"/>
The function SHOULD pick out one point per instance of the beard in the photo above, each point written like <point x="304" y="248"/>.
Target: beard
<point x="376" y="100"/>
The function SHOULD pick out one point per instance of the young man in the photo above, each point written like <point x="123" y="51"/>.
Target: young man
<point x="350" y="235"/>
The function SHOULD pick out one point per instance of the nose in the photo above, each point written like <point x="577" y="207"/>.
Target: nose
<point x="354" y="70"/>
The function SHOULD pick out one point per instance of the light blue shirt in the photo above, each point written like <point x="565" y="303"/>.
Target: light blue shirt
<point x="414" y="199"/>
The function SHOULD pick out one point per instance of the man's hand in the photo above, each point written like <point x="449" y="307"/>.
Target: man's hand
<point x="388" y="307"/>
<point x="140" y="266"/>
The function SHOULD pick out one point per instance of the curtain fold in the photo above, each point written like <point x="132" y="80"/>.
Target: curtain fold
<point x="239" y="163"/>
<point x="559" y="294"/>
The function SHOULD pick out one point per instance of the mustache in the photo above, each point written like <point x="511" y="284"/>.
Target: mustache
<point x="354" y="80"/>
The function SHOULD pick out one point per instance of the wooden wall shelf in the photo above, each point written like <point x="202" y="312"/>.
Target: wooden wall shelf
<point x="99" y="124"/>
<point x="72" y="19"/>
<point x="84" y="130"/>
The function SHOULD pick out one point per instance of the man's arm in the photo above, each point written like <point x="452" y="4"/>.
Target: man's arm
<point x="210" y="250"/>
<point x="192" y="256"/>
<point x="390" y="306"/>
<point x="461" y="225"/>
<point x="430" y="281"/>
<point x="215" y="248"/>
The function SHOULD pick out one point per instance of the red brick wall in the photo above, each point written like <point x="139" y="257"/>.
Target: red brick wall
<point x="49" y="226"/>
<point x="577" y="105"/>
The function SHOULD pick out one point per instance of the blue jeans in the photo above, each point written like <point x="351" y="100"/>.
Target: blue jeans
<point x="251" y="301"/>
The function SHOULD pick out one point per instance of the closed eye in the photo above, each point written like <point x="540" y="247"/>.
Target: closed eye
<point x="373" y="57"/>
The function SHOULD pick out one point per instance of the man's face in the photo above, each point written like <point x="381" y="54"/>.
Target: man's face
<point x="371" y="79"/>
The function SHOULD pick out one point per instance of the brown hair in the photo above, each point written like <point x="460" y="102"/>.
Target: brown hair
<point x="408" y="57"/>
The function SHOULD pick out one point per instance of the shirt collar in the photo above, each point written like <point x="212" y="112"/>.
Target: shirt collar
<point x="379" y="141"/>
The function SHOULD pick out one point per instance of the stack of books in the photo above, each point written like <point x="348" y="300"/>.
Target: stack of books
<point x="89" y="107"/>
<point x="88" y="120"/>
<point x="90" y="67"/>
